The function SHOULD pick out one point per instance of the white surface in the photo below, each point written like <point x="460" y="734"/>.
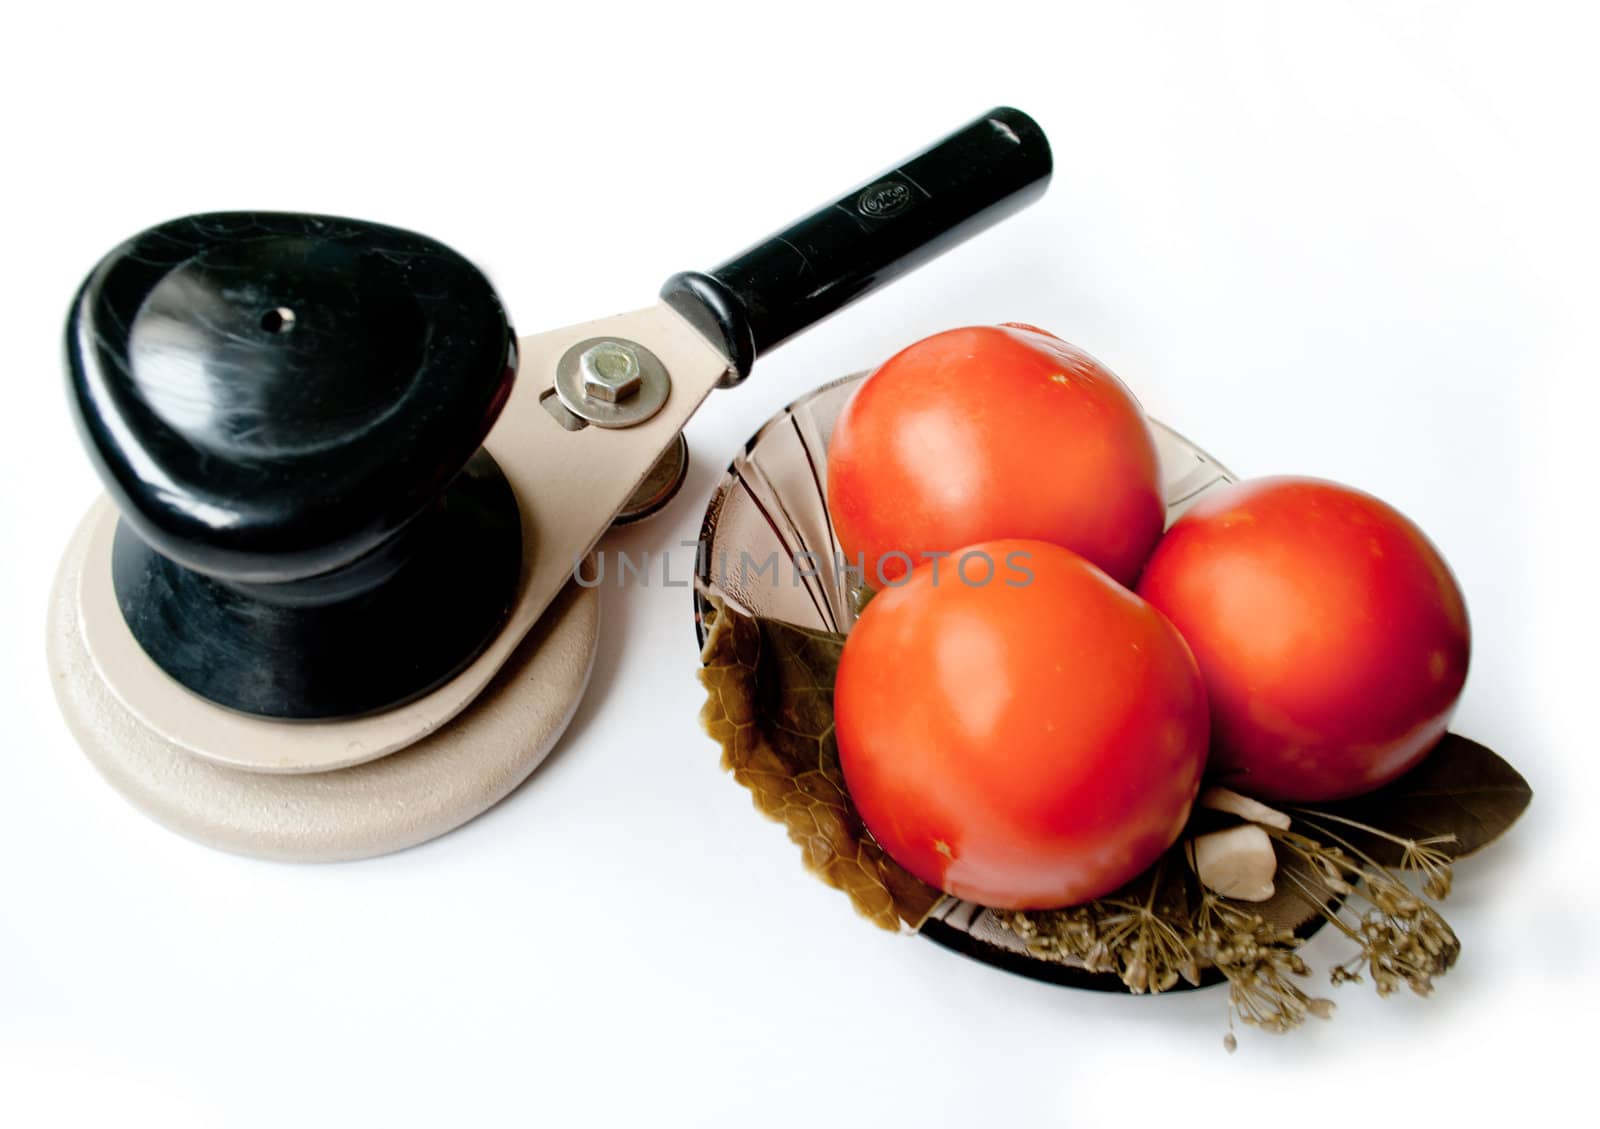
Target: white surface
<point x="1349" y="240"/>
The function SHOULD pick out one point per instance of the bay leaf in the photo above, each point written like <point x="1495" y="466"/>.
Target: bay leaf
<point x="1461" y="789"/>
<point x="769" y="704"/>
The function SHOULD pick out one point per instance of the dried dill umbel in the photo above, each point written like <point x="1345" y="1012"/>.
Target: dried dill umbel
<point x="1141" y="933"/>
<point x="1165" y="928"/>
<point x="1260" y="962"/>
<point x="1147" y="940"/>
<point x="1401" y="939"/>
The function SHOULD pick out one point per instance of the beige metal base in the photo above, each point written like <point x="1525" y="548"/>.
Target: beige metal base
<point x="427" y="788"/>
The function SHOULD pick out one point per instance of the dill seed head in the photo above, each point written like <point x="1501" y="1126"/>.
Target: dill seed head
<point x="1154" y="933"/>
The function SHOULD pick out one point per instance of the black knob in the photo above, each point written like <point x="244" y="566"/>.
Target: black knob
<point x="289" y="412"/>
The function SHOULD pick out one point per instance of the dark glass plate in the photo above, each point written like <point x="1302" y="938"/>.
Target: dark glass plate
<point x="773" y="500"/>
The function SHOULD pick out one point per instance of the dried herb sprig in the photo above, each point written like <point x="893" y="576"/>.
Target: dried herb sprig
<point x="1146" y="941"/>
<point x="1400" y="937"/>
<point x="1141" y="933"/>
<point x="1258" y="959"/>
<point x="1167" y="927"/>
<point x="1426" y="855"/>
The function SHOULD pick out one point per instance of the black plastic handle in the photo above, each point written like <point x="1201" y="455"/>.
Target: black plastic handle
<point x="871" y="235"/>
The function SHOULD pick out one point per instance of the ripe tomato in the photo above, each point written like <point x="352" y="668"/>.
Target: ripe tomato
<point x="1332" y="637"/>
<point x="987" y="432"/>
<point x="1029" y="742"/>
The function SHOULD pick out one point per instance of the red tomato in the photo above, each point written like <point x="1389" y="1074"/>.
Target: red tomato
<point x="1332" y="637"/>
<point x="1031" y="741"/>
<point x="993" y="431"/>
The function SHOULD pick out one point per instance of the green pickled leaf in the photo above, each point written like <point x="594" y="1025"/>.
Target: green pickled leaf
<point x="769" y="704"/>
<point x="1462" y="795"/>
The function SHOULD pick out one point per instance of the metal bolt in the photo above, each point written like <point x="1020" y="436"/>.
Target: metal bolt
<point x="610" y="372"/>
<point x="611" y="381"/>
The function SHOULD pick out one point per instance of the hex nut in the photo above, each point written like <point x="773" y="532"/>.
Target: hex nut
<point x="611" y="381"/>
<point x="611" y="372"/>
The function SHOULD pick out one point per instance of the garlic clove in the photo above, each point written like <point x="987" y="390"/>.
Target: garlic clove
<point x="1226" y="799"/>
<point x="1237" y="863"/>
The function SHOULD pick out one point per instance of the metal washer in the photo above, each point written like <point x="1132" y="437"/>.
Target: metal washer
<point x="660" y="486"/>
<point x="654" y="387"/>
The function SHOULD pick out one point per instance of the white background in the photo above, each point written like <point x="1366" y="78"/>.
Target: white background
<point x="1358" y="241"/>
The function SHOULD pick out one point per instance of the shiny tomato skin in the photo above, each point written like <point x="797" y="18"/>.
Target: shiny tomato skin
<point x="1025" y="745"/>
<point x="1332" y="636"/>
<point x="987" y="432"/>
